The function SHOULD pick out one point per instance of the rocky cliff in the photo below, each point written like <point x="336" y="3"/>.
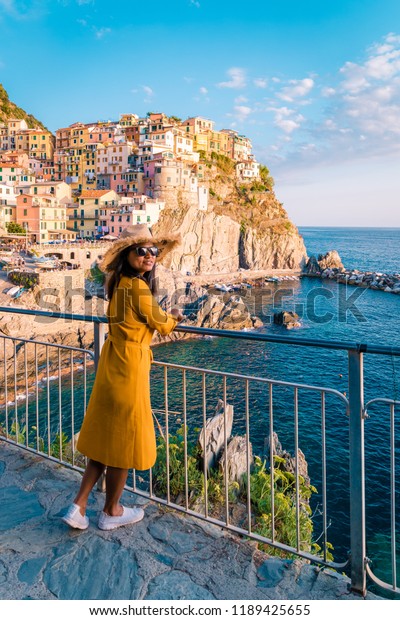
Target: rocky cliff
<point x="245" y="226"/>
<point x="8" y="109"/>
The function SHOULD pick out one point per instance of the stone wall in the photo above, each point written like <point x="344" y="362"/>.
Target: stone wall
<point x="61" y="291"/>
<point x="84" y="256"/>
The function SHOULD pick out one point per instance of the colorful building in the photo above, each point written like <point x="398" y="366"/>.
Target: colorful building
<point x="42" y="216"/>
<point x="84" y="215"/>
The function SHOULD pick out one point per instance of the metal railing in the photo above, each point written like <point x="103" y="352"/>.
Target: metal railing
<point x="186" y="396"/>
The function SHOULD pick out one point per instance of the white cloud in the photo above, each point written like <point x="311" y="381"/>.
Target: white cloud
<point x="328" y="91"/>
<point x="238" y="78"/>
<point x="296" y="89"/>
<point x="241" y="99"/>
<point x="286" y="119"/>
<point x="195" y="3"/>
<point x="370" y="91"/>
<point x="356" y="115"/>
<point x="203" y="90"/>
<point x="260" y="82"/>
<point x="355" y="77"/>
<point x="148" y="90"/>
<point x="242" y="112"/>
<point x="101" y="32"/>
<point x="22" y="10"/>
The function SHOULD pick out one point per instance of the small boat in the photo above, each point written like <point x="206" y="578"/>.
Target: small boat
<point x="223" y="287"/>
<point x="19" y="293"/>
<point x="13" y="291"/>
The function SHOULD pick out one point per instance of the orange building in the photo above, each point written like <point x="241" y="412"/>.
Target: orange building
<point x="43" y="217"/>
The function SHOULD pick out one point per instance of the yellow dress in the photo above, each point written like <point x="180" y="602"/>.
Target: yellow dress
<point x="118" y="428"/>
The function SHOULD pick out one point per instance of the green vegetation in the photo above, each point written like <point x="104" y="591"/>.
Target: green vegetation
<point x="15" y="229"/>
<point x="23" y="279"/>
<point x="96" y="275"/>
<point x="266" y="177"/>
<point x="258" y="187"/>
<point x="224" y="163"/>
<point x="58" y="447"/>
<point x="284" y="483"/>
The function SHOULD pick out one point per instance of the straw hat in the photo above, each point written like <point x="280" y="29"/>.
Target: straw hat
<point x="135" y="235"/>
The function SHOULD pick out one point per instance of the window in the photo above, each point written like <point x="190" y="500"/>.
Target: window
<point x="82" y="201"/>
<point x="25" y="211"/>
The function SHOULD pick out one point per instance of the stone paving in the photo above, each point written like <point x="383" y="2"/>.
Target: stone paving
<point x="166" y="556"/>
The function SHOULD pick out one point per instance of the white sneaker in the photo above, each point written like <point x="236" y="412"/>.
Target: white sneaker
<point x="129" y="515"/>
<point x="73" y="518"/>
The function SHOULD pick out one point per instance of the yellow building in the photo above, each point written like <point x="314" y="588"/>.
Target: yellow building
<point x="84" y="216"/>
<point x="197" y="124"/>
<point x="38" y="143"/>
<point x="128" y="120"/>
<point x="200" y="142"/>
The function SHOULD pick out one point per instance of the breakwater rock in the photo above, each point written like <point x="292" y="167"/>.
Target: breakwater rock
<point x="330" y="260"/>
<point x="389" y="283"/>
<point x="331" y="267"/>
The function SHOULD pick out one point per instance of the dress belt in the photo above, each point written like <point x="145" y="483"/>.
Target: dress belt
<point x="131" y="343"/>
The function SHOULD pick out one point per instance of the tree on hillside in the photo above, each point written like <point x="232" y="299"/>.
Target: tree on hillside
<point x="266" y="177"/>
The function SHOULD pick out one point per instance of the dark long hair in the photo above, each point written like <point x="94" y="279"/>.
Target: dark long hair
<point x="121" y="267"/>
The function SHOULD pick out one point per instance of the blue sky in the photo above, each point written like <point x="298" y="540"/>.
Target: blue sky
<point x="315" y="85"/>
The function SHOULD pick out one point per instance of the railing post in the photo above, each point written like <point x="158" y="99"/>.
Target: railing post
<point x="357" y="478"/>
<point x="99" y="338"/>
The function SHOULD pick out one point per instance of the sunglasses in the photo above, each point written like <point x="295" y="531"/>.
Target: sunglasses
<point x="142" y="252"/>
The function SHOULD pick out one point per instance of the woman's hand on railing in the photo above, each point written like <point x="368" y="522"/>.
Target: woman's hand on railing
<point x="177" y="314"/>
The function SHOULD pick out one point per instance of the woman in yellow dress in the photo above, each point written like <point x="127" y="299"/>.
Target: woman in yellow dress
<point x="118" y="430"/>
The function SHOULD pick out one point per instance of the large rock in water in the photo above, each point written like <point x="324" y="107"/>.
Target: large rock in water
<point x="289" y="460"/>
<point x="235" y="461"/>
<point x="212" y="438"/>
<point x="216" y="243"/>
<point x="287" y="319"/>
<point x="330" y="260"/>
